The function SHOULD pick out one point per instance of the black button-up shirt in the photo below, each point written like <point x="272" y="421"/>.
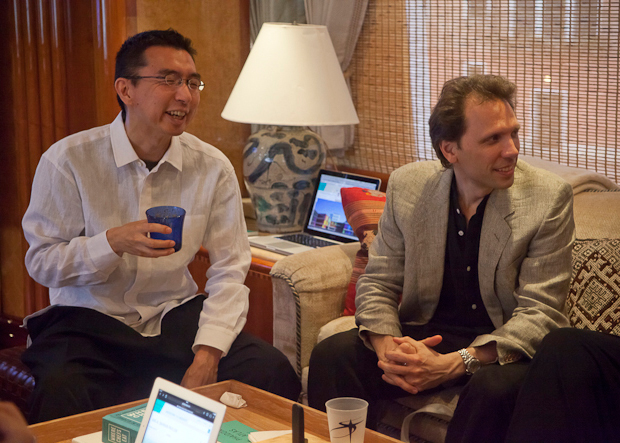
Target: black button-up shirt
<point x="460" y="303"/>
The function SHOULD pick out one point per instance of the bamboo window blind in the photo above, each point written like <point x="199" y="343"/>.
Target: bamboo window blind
<point x="563" y="56"/>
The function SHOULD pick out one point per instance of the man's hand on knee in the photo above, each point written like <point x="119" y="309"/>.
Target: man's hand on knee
<point x="203" y="370"/>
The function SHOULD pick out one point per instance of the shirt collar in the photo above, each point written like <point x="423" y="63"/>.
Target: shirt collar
<point x="125" y="154"/>
<point x="454" y="199"/>
<point x="174" y="154"/>
<point x="454" y="195"/>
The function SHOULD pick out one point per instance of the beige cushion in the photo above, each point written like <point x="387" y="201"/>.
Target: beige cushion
<point x="304" y="385"/>
<point x="340" y="324"/>
<point x="597" y="214"/>
<point x="580" y="179"/>
<point x="425" y="426"/>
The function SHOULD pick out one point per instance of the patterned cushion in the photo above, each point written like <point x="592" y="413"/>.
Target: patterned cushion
<point x="363" y="208"/>
<point x="594" y="297"/>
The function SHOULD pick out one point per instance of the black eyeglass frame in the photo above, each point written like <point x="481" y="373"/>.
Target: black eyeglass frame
<point x="180" y="80"/>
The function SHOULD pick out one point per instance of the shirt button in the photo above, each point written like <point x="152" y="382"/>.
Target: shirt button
<point x="468" y="268"/>
<point x="461" y="233"/>
<point x="474" y="306"/>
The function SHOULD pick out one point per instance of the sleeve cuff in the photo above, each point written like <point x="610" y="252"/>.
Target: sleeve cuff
<point x="101" y="253"/>
<point x="218" y="338"/>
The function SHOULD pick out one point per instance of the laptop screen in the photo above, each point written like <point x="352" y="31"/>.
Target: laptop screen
<point x="327" y="218"/>
<point x="175" y="419"/>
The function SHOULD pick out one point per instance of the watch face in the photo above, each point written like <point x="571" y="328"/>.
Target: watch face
<point x="474" y="365"/>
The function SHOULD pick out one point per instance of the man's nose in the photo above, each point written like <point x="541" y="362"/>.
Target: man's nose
<point x="511" y="147"/>
<point x="183" y="93"/>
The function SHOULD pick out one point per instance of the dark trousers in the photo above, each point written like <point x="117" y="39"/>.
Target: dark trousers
<point x="572" y="390"/>
<point x="84" y="360"/>
<point x="342" y="366"/>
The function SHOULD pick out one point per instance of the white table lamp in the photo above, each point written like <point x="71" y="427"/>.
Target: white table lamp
<point x="291" y="80"/>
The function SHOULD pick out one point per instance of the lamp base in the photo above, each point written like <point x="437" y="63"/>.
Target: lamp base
<point x="280" y="169"/>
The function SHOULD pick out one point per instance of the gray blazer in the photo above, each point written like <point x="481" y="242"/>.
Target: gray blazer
<point x="524" y="262"/>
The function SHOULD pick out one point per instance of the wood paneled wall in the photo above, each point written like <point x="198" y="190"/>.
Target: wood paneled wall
<point x="220" y="32"/>
<point x="57" y="71"/>
<point x="57" y="58"/>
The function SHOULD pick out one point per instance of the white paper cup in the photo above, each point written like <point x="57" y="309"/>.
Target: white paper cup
<point x="346" y="418"/>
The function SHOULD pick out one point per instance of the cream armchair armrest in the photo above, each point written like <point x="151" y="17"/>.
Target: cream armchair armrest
<point x="308" y="291"/>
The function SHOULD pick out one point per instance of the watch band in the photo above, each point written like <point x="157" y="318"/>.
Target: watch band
<point x="472" y="364"/>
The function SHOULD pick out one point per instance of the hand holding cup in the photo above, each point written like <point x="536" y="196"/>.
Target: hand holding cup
<point x="171" y="216"/>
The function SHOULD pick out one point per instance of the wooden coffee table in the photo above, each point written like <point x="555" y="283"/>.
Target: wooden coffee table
<point x="265" y="412"/>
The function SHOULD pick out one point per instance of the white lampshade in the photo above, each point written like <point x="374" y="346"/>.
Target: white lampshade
<point x="291" y="78"/>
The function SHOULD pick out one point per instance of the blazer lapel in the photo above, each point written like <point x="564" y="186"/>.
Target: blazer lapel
<point x="493" y="240"/>
<point x="431" y="235"/>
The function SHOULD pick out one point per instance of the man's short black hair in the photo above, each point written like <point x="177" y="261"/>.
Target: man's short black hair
<point x="131" y="55"/>
<point x="447" y="121"/>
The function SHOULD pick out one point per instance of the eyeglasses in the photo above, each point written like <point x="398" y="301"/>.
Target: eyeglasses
<point x="194" y="84"/>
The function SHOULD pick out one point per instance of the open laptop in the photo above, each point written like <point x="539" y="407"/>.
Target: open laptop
<point x="176" y="414"/>
<point x="326" y="223"/>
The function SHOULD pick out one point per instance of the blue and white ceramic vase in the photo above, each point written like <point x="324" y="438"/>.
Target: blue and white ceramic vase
<point x="280" y="168"/>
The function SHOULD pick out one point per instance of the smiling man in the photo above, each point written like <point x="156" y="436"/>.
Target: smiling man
<point x="469" y="271"/>
<point x="124" y="307"/>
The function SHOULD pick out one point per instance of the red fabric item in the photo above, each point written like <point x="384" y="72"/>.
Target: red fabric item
<point x="363" y="209"/>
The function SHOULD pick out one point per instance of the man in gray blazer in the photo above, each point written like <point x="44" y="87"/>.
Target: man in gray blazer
<point x="469" y="270"/>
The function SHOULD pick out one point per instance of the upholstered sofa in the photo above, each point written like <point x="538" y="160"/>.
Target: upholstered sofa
<point x="309" y="295"/>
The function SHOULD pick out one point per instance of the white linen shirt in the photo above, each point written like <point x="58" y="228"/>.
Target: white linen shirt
<point x="92" y="181"/>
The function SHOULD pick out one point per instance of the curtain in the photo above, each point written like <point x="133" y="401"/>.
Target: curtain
<point x="344" y="19"/>
<point x="57" y="70"/>
<point x="562" y="55"/>
<point x="283" y="11"/>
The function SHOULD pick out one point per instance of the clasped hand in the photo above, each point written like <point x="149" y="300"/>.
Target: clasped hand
<point x="414" y="365"/>
<point x="133" y="238"/>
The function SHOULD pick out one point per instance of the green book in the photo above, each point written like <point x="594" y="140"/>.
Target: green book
<point x="122" y="426"/>
<point x="234" y="432"/>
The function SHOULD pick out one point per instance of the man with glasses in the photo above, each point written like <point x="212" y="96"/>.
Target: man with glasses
<point x="124" y="308"/>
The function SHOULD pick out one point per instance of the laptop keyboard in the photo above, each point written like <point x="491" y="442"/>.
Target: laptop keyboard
<point x="307" y="240"/>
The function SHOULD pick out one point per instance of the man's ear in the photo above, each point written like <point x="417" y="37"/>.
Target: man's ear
<point x="123" y="89"/>
<point x="449" y="150"/>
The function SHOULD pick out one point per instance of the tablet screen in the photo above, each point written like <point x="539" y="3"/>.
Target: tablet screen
<point x="174" y="419"/>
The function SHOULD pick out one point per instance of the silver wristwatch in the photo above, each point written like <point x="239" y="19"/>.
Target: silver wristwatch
<point x="472" y="364"/>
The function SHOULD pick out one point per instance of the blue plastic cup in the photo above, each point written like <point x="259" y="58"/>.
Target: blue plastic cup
<point x="172" y="216"/>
